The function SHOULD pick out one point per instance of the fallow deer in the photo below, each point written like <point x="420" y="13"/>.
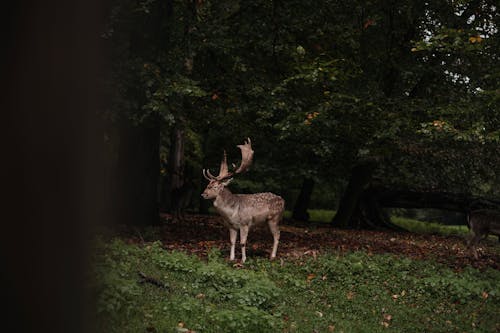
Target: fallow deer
<point x="482" y="222"/>
<point x="240" y="212"/>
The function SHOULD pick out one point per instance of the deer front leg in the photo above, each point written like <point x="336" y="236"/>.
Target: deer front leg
<point x="243" y="242"/>
<point x="273" y="226"/>
<point x="233" y="233"/>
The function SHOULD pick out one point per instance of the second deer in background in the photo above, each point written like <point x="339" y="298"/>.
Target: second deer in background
<point x="482" y="222"/>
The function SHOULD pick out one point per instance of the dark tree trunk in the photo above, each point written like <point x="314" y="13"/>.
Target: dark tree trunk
<point x="138" y="169"/>
<point x="369" y="211"/>
<point x="204" y="204"/>
<point x="370" y="214"/>
<point x="300" y="209"/>
<point x="348" y="214"/>
<point x="175" y="165"/>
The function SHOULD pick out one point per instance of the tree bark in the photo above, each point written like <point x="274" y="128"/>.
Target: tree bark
<point x="300" y="209"/>
<point x="359" y="180"/>
<point x="175" y="165"/>
<point x="204" y="204"/>
<point x="368" y="213"/>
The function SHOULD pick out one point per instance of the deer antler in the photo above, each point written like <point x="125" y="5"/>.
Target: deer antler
<point x="246" y="156"/>
<point x="246" y="161"/>
<point x="223" y="170"/>
<point x="209" y="176"/>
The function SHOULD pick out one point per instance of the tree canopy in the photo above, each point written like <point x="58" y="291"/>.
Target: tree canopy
<point x="404" y="91"/>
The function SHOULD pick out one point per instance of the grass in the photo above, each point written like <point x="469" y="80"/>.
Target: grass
<point x="422" y="227"/>
<point x="355" y="292"/>
<point x="316" y="215"/>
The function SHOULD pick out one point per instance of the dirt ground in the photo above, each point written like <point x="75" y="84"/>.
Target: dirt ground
<point x="197" y="234"/>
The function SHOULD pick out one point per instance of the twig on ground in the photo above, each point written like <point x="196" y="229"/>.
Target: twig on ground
<point x="152" y="280"/>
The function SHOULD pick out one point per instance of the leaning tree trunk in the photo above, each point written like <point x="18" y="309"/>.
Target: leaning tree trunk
<point x="300" y="209"/>
<point x="369" y="211"/>
<point x="457" y="202"/>
<point x="348" y="214"/>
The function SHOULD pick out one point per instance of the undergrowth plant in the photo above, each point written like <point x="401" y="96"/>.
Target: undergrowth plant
<point x="353" y="292"/>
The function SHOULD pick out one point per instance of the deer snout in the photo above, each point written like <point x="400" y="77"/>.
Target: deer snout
<point x="204" y="195"/>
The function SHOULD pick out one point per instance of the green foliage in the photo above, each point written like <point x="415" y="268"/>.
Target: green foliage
<point x="116" y="291"/>
<point x="319" y="86"/>
<point x="209" y="297"/>
<point x="451" y="40"/>
<point x="355" y="292"/>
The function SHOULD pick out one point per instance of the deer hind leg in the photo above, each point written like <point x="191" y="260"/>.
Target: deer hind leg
<point x="233" y="233"/>
<point x="273" y="226"/>
<point x="243" y="242"/>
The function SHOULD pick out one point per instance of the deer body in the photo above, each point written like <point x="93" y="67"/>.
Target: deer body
<point x="242" y="211"/>
<point x="247" y="209"/>
<point x="482" y="223"/>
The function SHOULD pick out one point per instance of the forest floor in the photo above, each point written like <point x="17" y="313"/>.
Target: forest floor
<point x="176" y="277"/>
<point x="198" y="234"/>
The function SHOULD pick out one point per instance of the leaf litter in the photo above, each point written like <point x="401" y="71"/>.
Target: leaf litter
<point x="198" y="234"/>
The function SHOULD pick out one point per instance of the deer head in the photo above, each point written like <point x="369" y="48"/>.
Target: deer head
<point x="217" y="183"/>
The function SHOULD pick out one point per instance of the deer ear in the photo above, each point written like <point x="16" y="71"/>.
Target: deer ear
<point x="227" y="181"/>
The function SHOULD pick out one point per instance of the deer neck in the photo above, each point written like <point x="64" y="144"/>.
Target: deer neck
<point x="226" y="202"/>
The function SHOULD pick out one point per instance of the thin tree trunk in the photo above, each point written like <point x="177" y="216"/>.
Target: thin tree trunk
<point x="175" y="164"/>
<point x="204" y="204"/>
<point x="300" y="209"/>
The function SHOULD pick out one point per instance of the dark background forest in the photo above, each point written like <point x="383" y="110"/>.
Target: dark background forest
<point x="354" y="106"/>
<point x="351" y="106"/>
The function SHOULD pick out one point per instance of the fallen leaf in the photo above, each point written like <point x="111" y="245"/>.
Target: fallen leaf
<point x="475" y="39"/>
<point x="368" y="23"/>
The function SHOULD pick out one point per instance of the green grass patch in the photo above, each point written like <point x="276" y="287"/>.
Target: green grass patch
<point x="316" y="215"/>
<point x="422" y="227"/>
<point x="354" y="292"/>
<point x="430" y="227"/>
